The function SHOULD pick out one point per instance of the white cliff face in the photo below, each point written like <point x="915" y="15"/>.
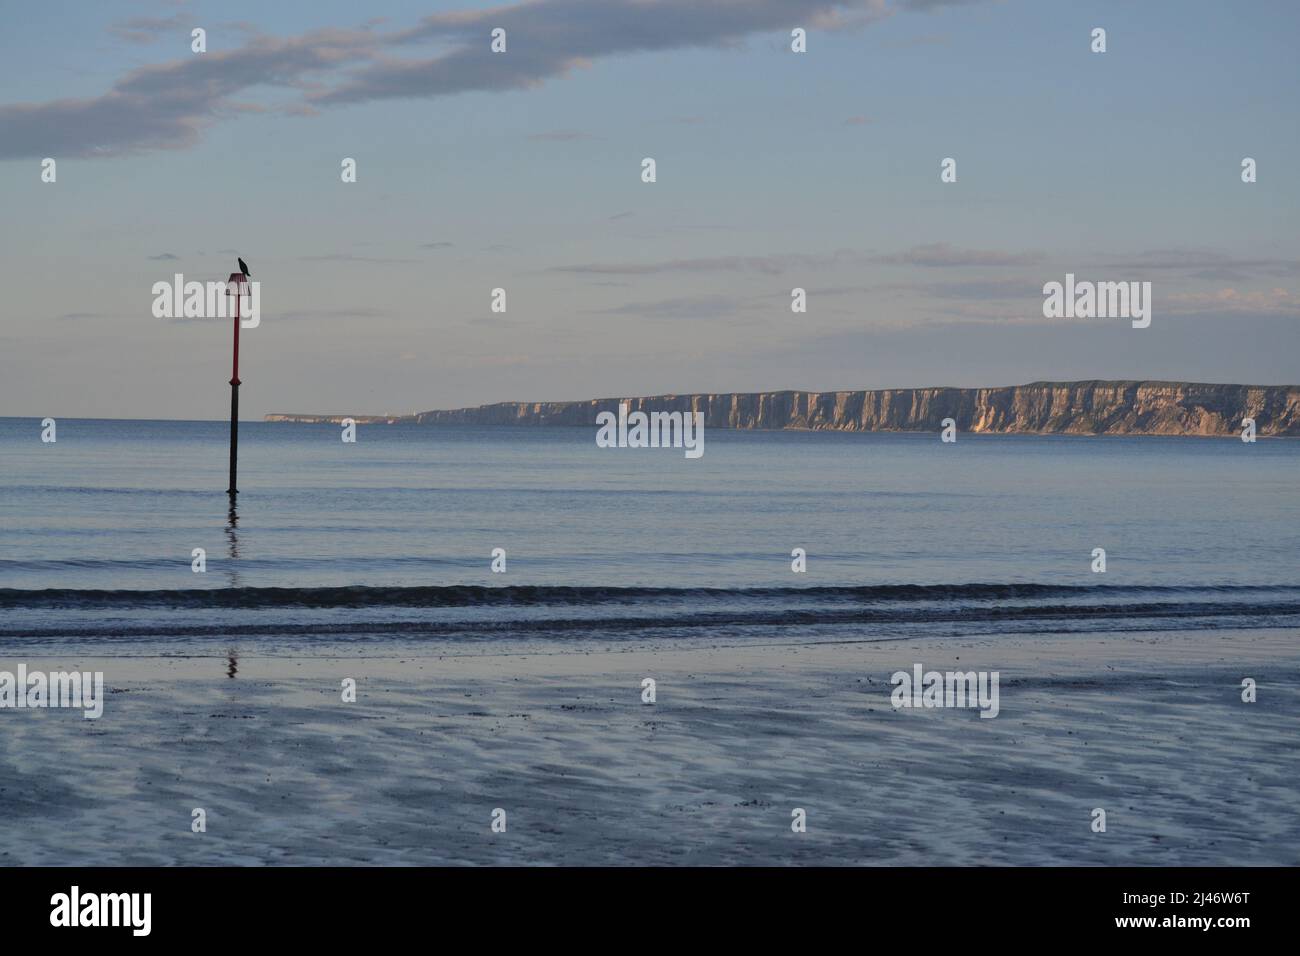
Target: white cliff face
<point x="1077" y="408"/>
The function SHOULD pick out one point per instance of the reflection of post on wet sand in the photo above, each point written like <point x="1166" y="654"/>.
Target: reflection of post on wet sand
<point x="232" y="538"/>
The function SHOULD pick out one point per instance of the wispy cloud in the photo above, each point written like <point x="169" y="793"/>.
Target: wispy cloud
<point x="687" y="307"/>
<point x="767" y="265"/>
<point x="1233" y="301"/>
<point x="934" y="255"/>
<point x="990" y="290"/>
<point x="553" y="37"/>
<point x="167" y="106"/>
<point x="347" y="257"/>
<point x="942" y="255"/>
<point x="1205" y="264"/>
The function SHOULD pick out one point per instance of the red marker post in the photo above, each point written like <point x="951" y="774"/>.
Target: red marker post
<point x="236" y="286"/>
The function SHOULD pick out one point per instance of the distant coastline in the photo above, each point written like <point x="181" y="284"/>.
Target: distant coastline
<point x="1039" y="408"/>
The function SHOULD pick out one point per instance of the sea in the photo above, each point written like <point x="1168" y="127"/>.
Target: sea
<point x="393" y="538"/>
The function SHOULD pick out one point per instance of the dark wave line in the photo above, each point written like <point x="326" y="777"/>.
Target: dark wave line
<point x="1271" y="614"/>
<point x="468" y="595"/>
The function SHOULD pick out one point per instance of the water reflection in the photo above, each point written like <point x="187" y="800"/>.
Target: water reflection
<point x="232" y="551"/>
<point x="232" y="540"/>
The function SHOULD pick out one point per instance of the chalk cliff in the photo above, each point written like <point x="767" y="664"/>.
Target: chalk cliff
<point x="1071" y="408"/>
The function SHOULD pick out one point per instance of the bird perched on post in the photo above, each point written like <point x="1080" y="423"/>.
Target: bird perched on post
<point x="243" y="268"/>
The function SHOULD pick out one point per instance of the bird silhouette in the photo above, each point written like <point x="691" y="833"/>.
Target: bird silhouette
<point x="243" y="268"/>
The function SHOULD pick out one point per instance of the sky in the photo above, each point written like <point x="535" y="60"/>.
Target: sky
<point x="522" y="170"/>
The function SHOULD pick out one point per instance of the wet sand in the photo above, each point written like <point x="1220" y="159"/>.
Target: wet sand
<point x="1150" y="727"/>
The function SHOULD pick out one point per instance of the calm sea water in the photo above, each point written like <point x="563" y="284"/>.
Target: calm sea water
<point x="393" y="535"/>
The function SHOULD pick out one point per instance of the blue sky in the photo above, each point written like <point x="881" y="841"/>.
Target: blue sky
<point x="775" y="170"/>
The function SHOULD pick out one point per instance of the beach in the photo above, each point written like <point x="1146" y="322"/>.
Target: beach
<point x="1150" y="727"/>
